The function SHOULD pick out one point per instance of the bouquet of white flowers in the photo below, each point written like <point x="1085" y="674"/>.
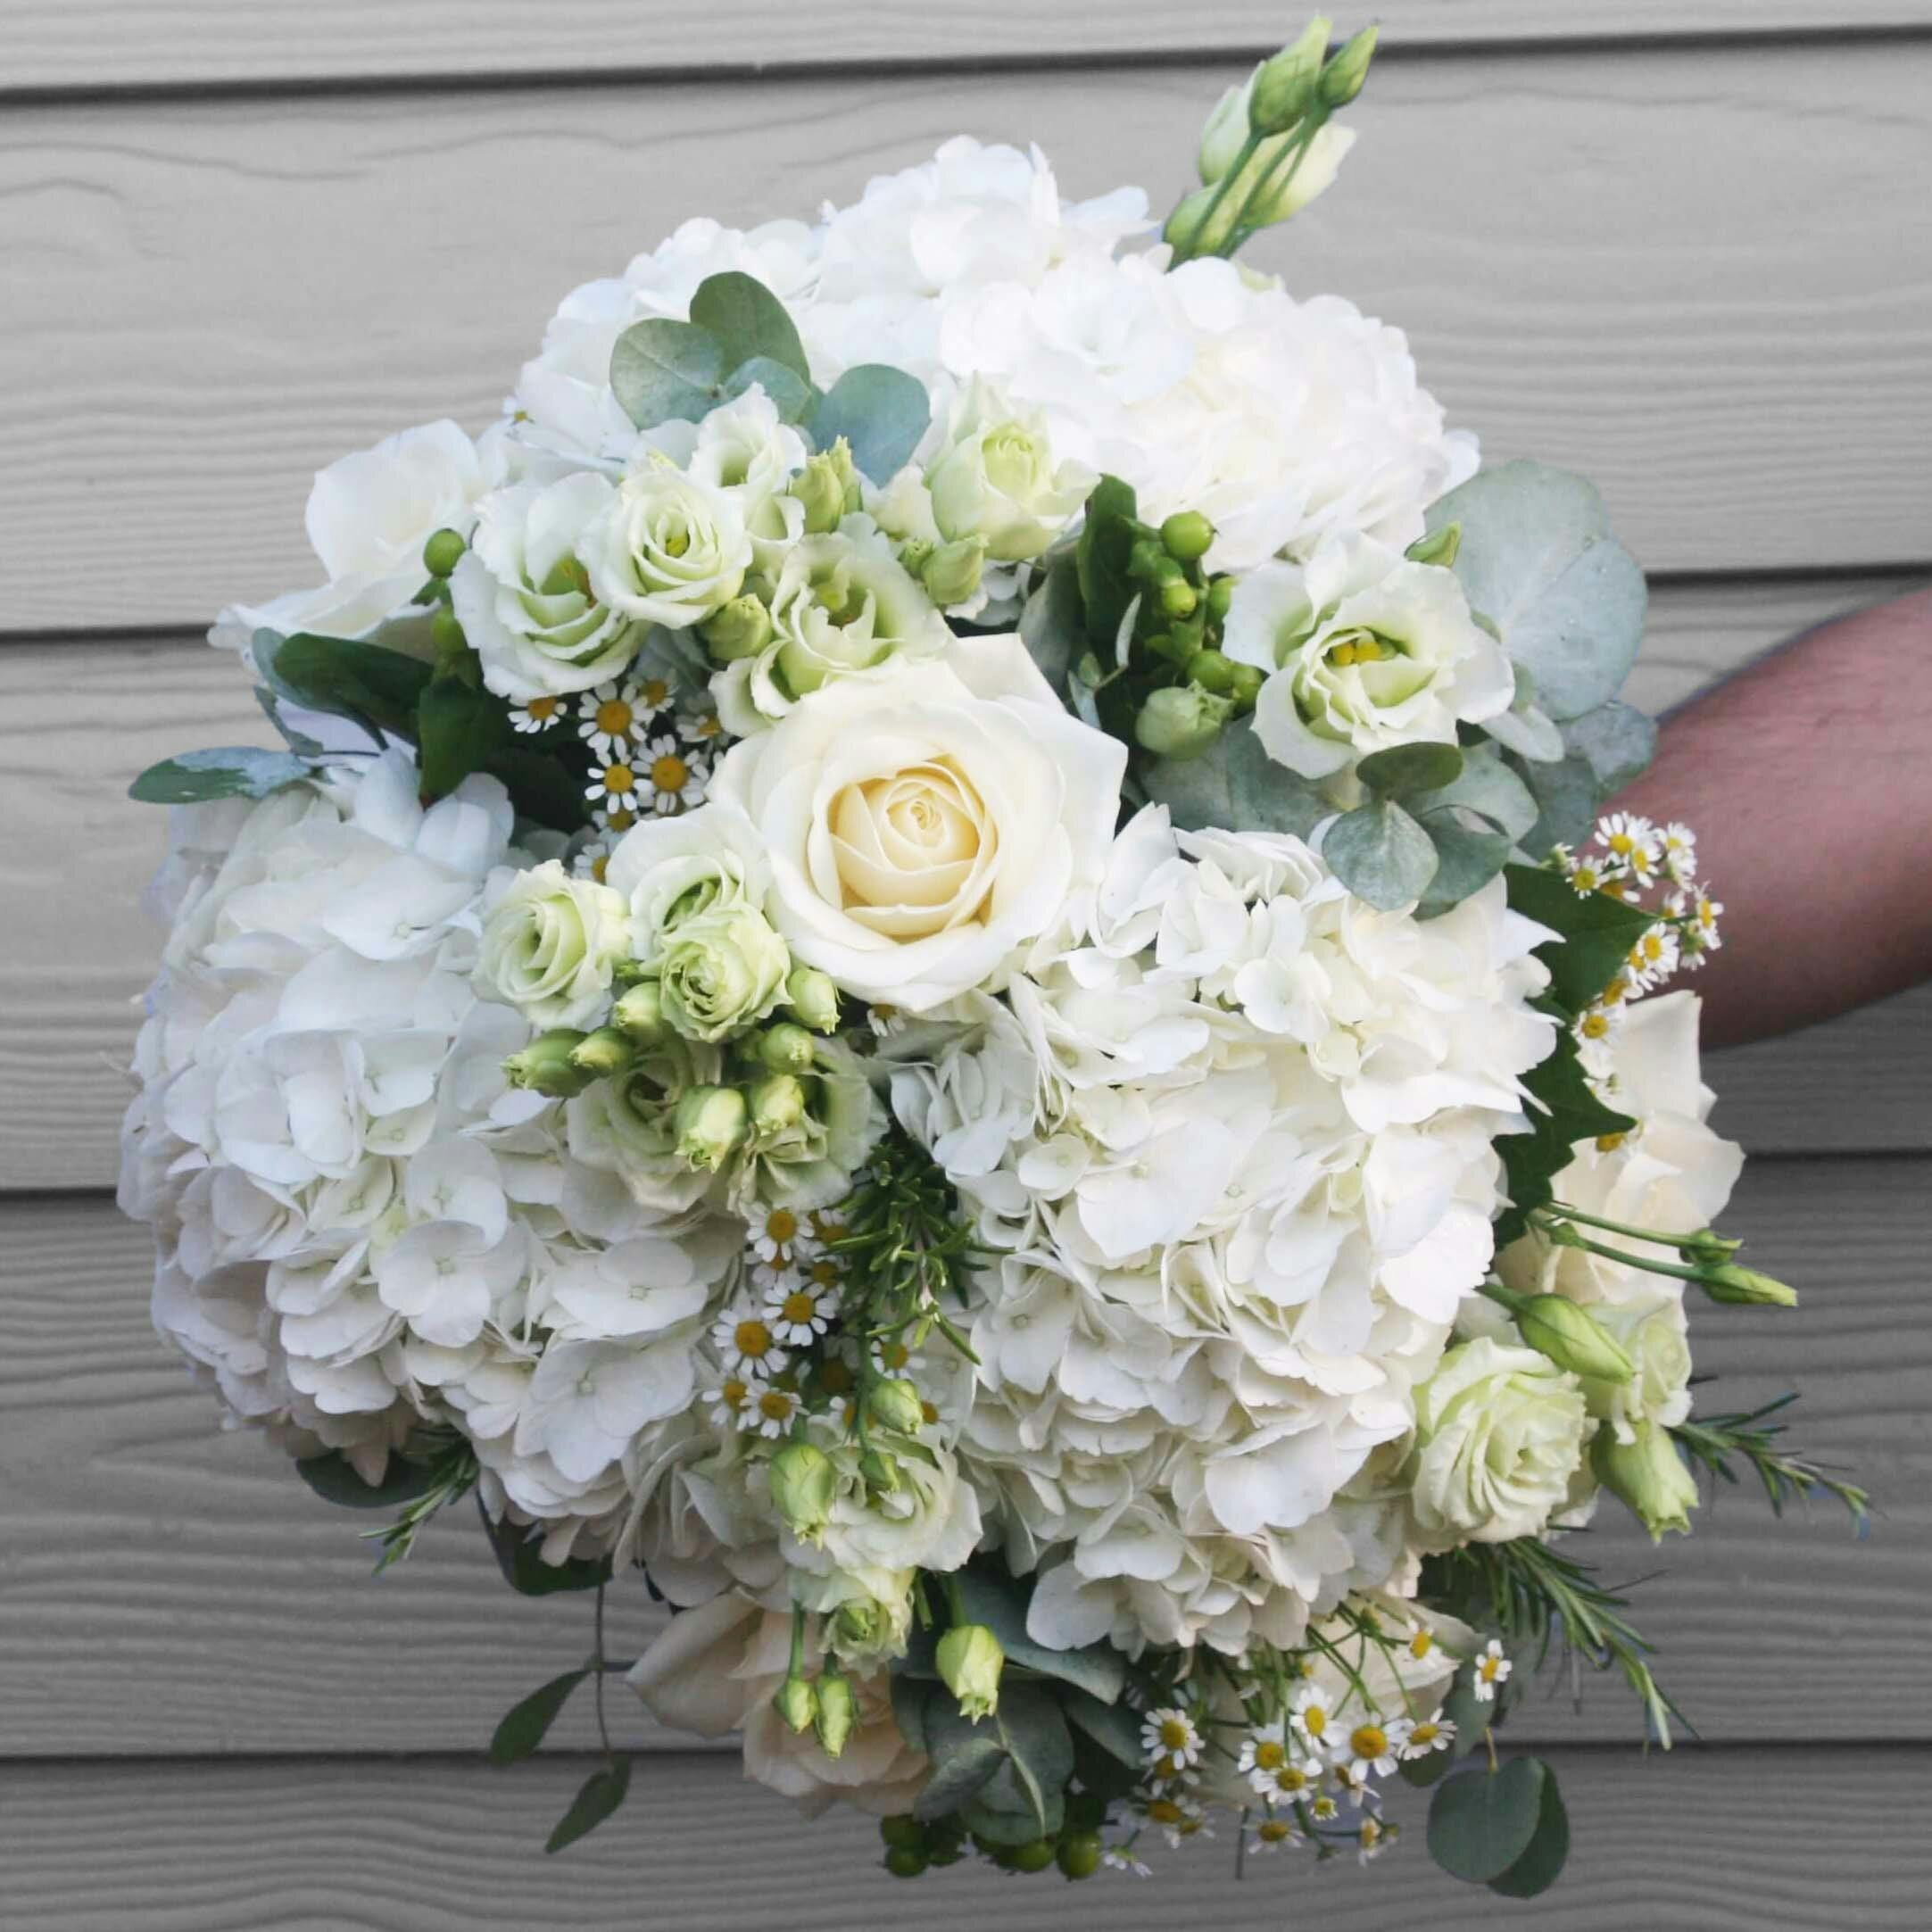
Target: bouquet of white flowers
<point x="933" y="968"/>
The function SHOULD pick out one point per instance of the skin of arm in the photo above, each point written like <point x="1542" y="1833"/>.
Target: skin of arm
<point x="1807" y="778"/>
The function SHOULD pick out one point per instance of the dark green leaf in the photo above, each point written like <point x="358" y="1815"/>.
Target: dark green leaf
<point x="1567" y="797"/>
<point x="602" y="1794"/>
<point x="1470" y="1717"/>
<point x="999" y="1603"/>
<point x="792" y="396"/>
<point x="1598" y="931"/>
<point x="458" y="728"/>
<point x="377" y="688"/>
<point x="1003" y="1810"/>
<point x="664" y="371"/>
<point x="1380" y="854"/>
<point x="1236" y="786"/>
<point x="1541" y="1865"/>
<point x="1051" y="624"/>
<point x="235" y="771"/>
<point x="1114" y="1728"/>
<point x="751" y="323"/>
<point x="1405" y="768"/>
<point x="909" y="1695"/>
<point x="1106" y="548"/>
<point x="524" y="1724"/>
<point x="518" y="1555"/>
<point x="333" y="1478"/>
<point x="881" y="412"/>
<point x="1565" y="1109"/>
<point x="298" y="742"/>
<point x="1480" y="1823"/>
<point x="544" y="789"/>
<point x="1023" y="1755"/>
<point x="964" y="1756"/>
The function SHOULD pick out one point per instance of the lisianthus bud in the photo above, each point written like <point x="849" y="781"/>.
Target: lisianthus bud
<point x="777" y="1105"/>
<point x="1746" y="1287"/>
<point x="1181" y="721"/>
<point x="1342" y="78"/>
<point x="880" y="1471"/>
<point x="606" y="1051"/>
<point x="813" y="998"/>
<point x="896" y="1404"/>
<point x="970" y="1661"/>
<point x="828" y="487"/>
<point x="951" y="573"/>
<point x="446" y="633"/>
<point x="740" y="629"/>
<point x="1707" y="1248"/>
<point x="1573" y="1338"/>
<point x="1187" y="535"/>
<point x="1648" y="1475"/>
<point x="803" y="1486"/>
<point x="640" y="1012"/>
<point x="444" y="551"/>
<point x="786" y="1049"/>
<point x="796" y="1701"/>
<point x="546" y="1066"/>
<point x="708" y="1123"/>
<point x="837" y="1713"/>
<point x="1248" y="679"/>
<point x="1284" y="86"/>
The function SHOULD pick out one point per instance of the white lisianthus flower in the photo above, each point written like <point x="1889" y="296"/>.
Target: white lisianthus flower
<point x="722" y="970"/>
<point x="550" y="944"/>
<point x="745" y="450"/>
<point x="1364" y="650"/>
<point x="841" y="604"/>
<point x="668" y="549"/>
<point x="1656" y="1337"/>
<point x="924" y="825"/>
<point x="668" y="870"/>
<point x="1499" y="1443"/>
<point x="995" y="476"/>
<point x="522" y="594"/>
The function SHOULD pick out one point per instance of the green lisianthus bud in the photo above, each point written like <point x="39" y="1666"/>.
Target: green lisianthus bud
<point x="546" y="1066"/>
<point x="970" y="1661"/>
<point x="837" y="1714"/>
<point x="1187" y="535"/>
<point x="879" y="1470"/>
<point x="447" y="635"/>
<point x="813" y="998"/>
<point x="640" y="1012"/>
<point x="1284" y="86"/>
<point x="740" y="629"/>
<point x="606" y="1051"/>
<point x="828" y="487"/>
<point x="1648" y="1475"/>
<point x="804" y="1486"/>
<point x="1181" y="721"/>
<point x="1342" y="78"/>
<point x="1078" y="1854"/>
<point x="796" y="1701"/>
<point x="443" y="552"/>
<point x="1439" y="547"/>
<point x="709" y="1124"/>
<point x="1211" y="672"/>
<point x="777" y="1104"/>
<point x="1746" y="1287"/>
<point x="1707" y="1248"/>
<point x="1573" y="1338"/>
<point x="784" y="1048"/>
<point x="897" y="1404"/>
<point x="951" y="573"/>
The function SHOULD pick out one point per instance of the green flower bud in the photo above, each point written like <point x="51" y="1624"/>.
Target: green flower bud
<point x="443" y="552"/>
<point x="828" y="487"/>
<point x="951" y="573"/>
<point x="1439" y="547"/>
<point x="796" y="1701"/>
<point x="740" y="629"/>
<point x="837" y="1714"/>
<point x="1707" y="1248"/>
<point x="1187" y="535"/>
<point x="604" y="1052"/>
<point x="546" y="1066"/>
<point x="1178" y="597"/>
<point x="1181" y="721"/>
<point x="905" y="1862"/>
<point x="813" y="998"/>
<point x="804" y="1486"/>
<point x="1220" y="597"/>
<point x="879" y="1471"/>
<point x="1342" y="78"/>
<point x="1033" y="1856"/>
<point x="970" y="1661"/>
<point x="708" y="1123"/>
<point x="1648" y="1475"/>
<point x="1211" y="672"/>
<point x="902" y="1832"/>
<point x="896" y="1404"/>
<point x="640" y="1012"/>
<point x="786" y="1049"/>
<point x="1573" y="1338"/>
<point x="1746" y="1287"/>
<point x="1284" y="86"/>
<point x="1079" y="1853"/>
<point x="447" y="635"/>
<point x="777" y="1105"/>
<point x="1248" y="679"/>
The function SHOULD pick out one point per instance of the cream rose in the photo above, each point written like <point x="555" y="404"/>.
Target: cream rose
<point x="550" y="944"/>
<point x="923" y="825"/>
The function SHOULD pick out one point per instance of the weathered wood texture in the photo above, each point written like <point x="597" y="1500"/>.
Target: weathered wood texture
<point x="1716" y="1841"/>
<point x="79" y="719"/>
<point x="100" y="43"/>
<point x="210" y="299"/>
<point x="165" y="1587"/>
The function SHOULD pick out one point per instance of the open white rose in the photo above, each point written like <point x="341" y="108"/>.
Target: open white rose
<point x="668" y="549"/>
<point x="924" y="825"/>
<point x="1364" y="650"/>
<point x="550" y="945"/>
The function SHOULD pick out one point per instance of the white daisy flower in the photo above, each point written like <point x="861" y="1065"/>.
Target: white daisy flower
<point x="1121" y="1858"/>
<point x="1179" y="1819"/>
<point x="614" y="819"/>
<point x="613" y="786"/>
<point x="893" y="1356"/>
<point x="1325" y="1810"/>
<point x="1492" y="1668"/>
<point x="1653" y="957"/>
<point x="1313" y="1716"/>
<point x="671" y="775"/>
<point x="1170" y="1734"/>
<point x="775" y="1409"/>
<point x="1273" y="1834"/>
<point x="1433" y="1733"/>
<point x="700" y="726"/>
<point x="743" y="1335"/>
<point x="1264" y="1748"/>
<point x="535" y="714"/>
<point x="799" y="1313"/>
<point x="1371" y="1747"/>
<point x="885" y="1022"/>
<point x="782" y="1239"/>
<point x="1679" y="844"/>
<point x="1293" y="1781"/>
<point x="730" y="1402"/>
<point x="590" y="863"/>
<point x="1354" y="1784"/>
<point x="1630" y="841"/>
<point x="613" y="717"/>
<point x="1588" y="876"/>
<point x="1373" y="1838"/>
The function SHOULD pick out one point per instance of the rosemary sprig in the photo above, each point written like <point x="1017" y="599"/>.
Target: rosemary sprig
<point x="1711" y="1442"/>
<point x="451" y="1471"/>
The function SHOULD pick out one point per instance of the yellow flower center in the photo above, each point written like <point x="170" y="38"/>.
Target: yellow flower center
<point x="1292" y="1779"/>
<point x="653" y="691"/>
<point x="542" y="709"/>
<point x="1368" y="1741"/>
<point x="613" y="716"/>
<point x="1274" y="1830"/>
<point x="1175" y="1733"/>
<point x="798" y="1306"/>
<point x="733" y="1393"/>
<point x="753" y="1338"/>
<point x="835" y="1377"/>
<point x="776" y="1405"/>
<point x="1314" y="1720"/>
<point x="1622" y="844"/>
<point x="1596" y="1026"/>
<point x="1424" y="1735"/>
<point x="1269" y="1756"/>
<point x="928" y="1414"/>
<point x="619" y="780"/>
<point x="1422" y="1644"/>
<point x="782" y="1226"/>
<point x="1608" y="1143"/>
<point x="600" y="865"/>
<point x="893" y="1355"/>
<point x="824" y="1274"/>
<point x="1164" y="1811"/>
<point x="620" y="820"/>
<point x="669" y="773"/>
<point x="1486" y="1669"/>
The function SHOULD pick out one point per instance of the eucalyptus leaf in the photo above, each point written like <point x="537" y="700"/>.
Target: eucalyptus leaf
<point x="1616" y="741"/>
<point x="1405" y="768"/>
<point x="909" y="1697"/>
<point x="1236" y="786"/>
<point x="664" y="371"/>
<point x="1114" y="1727"/>
<point x="1541" y="1865"/>
<point x="791" y="393"/>
<point x="335" y="1478"/>
<point x="1380" y="854"/>
<point x="235" y="771"/>
<point x="526" y="1723"/>
<point x="962" y="1762"/>
<point x="1008" y="1810"/>
<point x="1567" y="795"/>
<point x="1481" y="1822"/>
<point x="1486" y="786"/>
<point x="1469" y="854"/>
<point x="881" y="411"/>
<point x="1050" y="622"/>
<point x="749" y="321"/>
<point x="297" y="741"/>
<point x="1529" y="732"/>
<point x="1001" y="1605"/>
<point x="602" y="1791"/>
<point x="1537" y="559"/>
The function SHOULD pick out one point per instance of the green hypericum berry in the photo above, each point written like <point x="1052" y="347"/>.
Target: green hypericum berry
<point x="903" y="1832"/>
<point x="1187" y="535"/>
<point x="443" y="552"/>
<point x="1079" y="1853"/>
<point x="1220" y="596"/>
<point x="903" y="1861"/>
<point x="1034" y="1857"/>
<point x="1179" y="598"/>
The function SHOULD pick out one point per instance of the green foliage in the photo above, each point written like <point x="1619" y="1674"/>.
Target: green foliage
<point x="543" y="789"/>
<point x="602" y="1791"/>
<point x="1237" y="786"/>
<point x="459" y="726"/>
<point x="1542" y="1859"/>
<point x="238" y="771"/>
<point x="1407" y="768"/>
<point x="526" y="1723"/>
<point x="518" y="1555"/>
<point x="1052" y="625"/>
<point x="1565" y="1109"/>
<point x="1004" y="1775"/>
<point x="1380" y="854"/>
<point x="1000" y="1602"/>
<point x="751" y="323"/>
<point x="791" y="393"/>
<point x="1481" y="1823"/>
<point x="334" y="1478"/>
<point x="1598" y="933"/>
<point x="368" y="683"/>
<point x="881" y="411"/>
<point x="1101" y="560"/>
<point x="1713" y="1442"/>
<point x="1616" y="741"/>
<point x="666" y="372"/>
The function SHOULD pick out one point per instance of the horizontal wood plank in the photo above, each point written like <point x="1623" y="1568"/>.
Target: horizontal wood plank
<point x="167" y="1589"/>
<point x="1703" y="282"/>
<point x="99" y="43"/>
<point x="1723" y="1841"/>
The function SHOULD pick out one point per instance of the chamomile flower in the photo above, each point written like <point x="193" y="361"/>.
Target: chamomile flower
<point x="590" y="863"/>
<point x="1653" y="957"/>
<point x="1315" y="1717"/>
<point x="782" y="1239"/>
<point x="1371" y="1747"/>
<point x="797" y="1315"/>
<point x="1178" y="1818"/>
<point x="672" y="775"/>
<point x="535" y="714"/>
<point x="1354" y="1784"/>
<point x="1263" y="1749"/>
<point x="732" y="1401"/>
<point x="775" y="1409"/>
<point x="700" y="726"/>
<point x="1121" y="1858"/>
<point x="1434" y="1733"/>
<point x="893" y="1356"/>
<point x="1169" y="1736"/>
<point x="1373" y="1838"/>
<point x="615" y="819"/>
<point x="612" y="718"/>
<point x="1293" y="1781"/>
<point x="1273" y="1834"/>
<point x="1492" y="1668"/>
<point x="1632" y="843"/>
<point x="1678" y="844"/>
<point x="1325" y="1810"/>
<point x="1419" y="1644"/>
<point x="613" y="786"/>
<point x="744" y="1336"/>
<point x="1586" y="876"/>
<point x="826" y="1227"/>
<point x="1600" y="1024"/>
<point x="885" y="1022"/>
